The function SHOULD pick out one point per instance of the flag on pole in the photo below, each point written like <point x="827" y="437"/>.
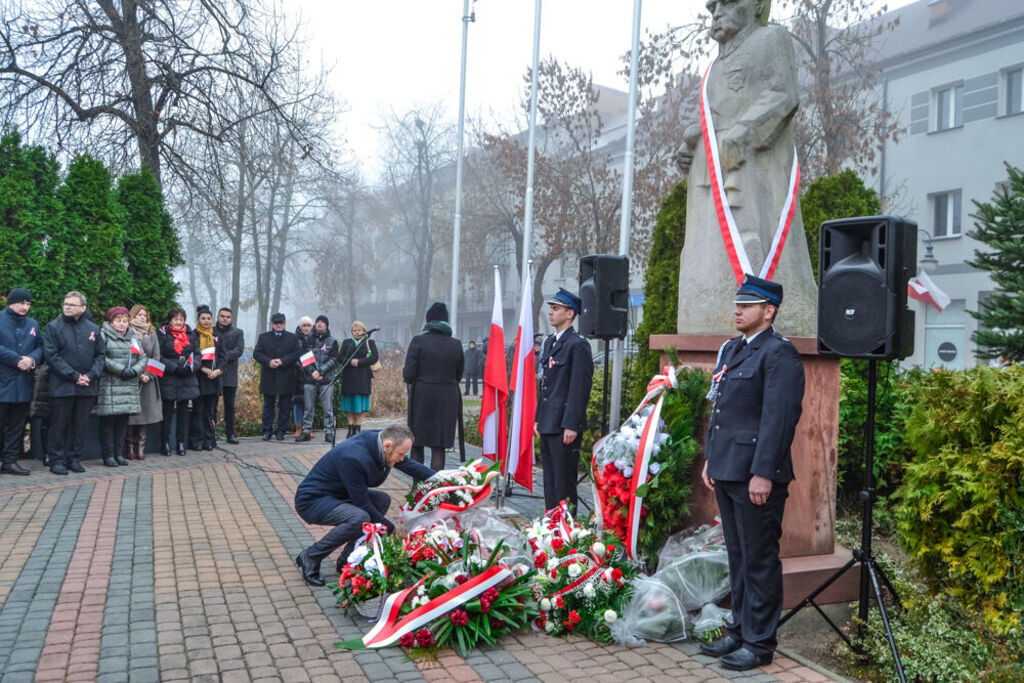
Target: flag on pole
<point x="924" y="289"/>
<point x="524" y="389"/>
<point x="209" y="353"/>
<point x="493" y="420"/>
<point x="135" y="346"/>
<point x="155" y="367"/>
<point x="307" y="358"/>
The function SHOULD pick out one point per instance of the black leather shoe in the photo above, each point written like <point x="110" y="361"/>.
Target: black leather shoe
<point x="58" y="468"/>
<point x="75" y="466"/>
<point x="165" y="448"/>
<point x="744" y="660"/>
<point x="722" y="646"/>
<point x="266" y="437"/>
<point x="13" y="468"/>
<point x="181" y="449"/>
<point x="121" y="462"/>
<point x="109" y="462"/>
<point x="310" y="573"/>
<point x="303" y="437"/>
<point x="232" y="440"/>
<point x="279" y="437"/>
<point x="207" y="447"/>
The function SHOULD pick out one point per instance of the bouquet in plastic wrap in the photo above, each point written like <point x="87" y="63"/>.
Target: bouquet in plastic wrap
<point x="582" y="581"/>
<point x="448" y="493"/>
<point x="376" y="566"/>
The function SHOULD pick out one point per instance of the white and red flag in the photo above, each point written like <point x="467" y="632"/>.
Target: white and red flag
<point x="493" y="414"/>
<point x="307" y="358"/>
<point x="155" y="367"/>
<point x="524" y="389"/>
<point x="135" y="346"/>
<point x="923" y="288"/>
<point x="209" y="353"/>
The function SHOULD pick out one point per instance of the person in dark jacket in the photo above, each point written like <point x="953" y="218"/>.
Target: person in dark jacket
<point x="21" y="350"/>
<point x="179" y="352"/>
<point x="232" y="340"/>
<point x="75" y="351"/>
<point x="119" y="385"/>
<point x="360" y="352"/>
<point x="433" y="369"/>
<point x="203" y="435"/>
<point x="568" y="369"/>
<point x="340" y="491"/>
<point x="276" y="351"/>
<point x="317" y="378"/>
<point x="303" y="331"/>
<point x="757" y="394"/>
<point x="474" y="368"/>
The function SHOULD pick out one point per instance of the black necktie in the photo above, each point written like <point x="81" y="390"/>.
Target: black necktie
<point x="739" y="347"/>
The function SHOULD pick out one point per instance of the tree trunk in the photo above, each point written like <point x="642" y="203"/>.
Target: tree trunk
<point x="145" y="125"/>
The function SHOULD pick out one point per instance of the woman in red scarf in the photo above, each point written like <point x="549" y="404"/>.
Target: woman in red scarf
<point x="179" y="352"/>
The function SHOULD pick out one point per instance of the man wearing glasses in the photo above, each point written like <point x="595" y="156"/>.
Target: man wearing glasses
<point x="76" y="353"/>
<point x="21" y="349"/>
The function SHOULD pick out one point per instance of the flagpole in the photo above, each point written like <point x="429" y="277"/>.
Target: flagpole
<point x="457" y="223"/>
<point x="627" y="207"/>
<point x="531" y="146"/>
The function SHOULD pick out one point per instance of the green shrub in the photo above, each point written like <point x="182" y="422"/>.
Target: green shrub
<point x="961" y="505"/>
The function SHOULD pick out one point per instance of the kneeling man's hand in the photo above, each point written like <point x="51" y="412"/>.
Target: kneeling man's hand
<point x="389" y="524"/>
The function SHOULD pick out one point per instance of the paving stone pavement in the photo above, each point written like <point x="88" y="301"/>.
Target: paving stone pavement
<point x="182" y="568"/>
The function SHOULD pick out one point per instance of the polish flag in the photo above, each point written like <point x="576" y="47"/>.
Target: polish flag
<point x="135" y="346"/>
<point x="155" y="367"/>
<point x="307" y="358"/>
<point x="924" y="289"/>
<point x="209" y="353"/>
<point x="493" y="420"/>
<point x="524" y="389"/>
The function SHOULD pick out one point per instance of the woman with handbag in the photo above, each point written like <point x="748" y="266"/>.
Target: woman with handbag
<point x="360" y="358"/>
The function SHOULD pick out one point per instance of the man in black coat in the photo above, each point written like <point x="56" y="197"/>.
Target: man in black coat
<point x="757" y="389"/>
<point x="339" y="491"/>
<point x="76" y="354"/>
<point x="277" y="351"/>
<point x="317" y="378"/>
<point x="232" y="340"/>
<point x="567" y="371"/>
<point x="21" y="350"/>
<point x="474" y="368"/>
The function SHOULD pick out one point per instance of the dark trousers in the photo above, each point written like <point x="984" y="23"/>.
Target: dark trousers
<point x="113" y="429"/>
<point x="12" y="422"/>
<point x="475" y="381"/>
<point x="436" y="456"/>
<point x="284" y="404"/>
<point x="752" y="535"/>
<point x="175" y="412"/>
<point x="560" y="467"/>
<point x="204" y="417"/>
<point x="229" y="410"/>
<point x="347" y="520"/>
<point x="69" y="424"/>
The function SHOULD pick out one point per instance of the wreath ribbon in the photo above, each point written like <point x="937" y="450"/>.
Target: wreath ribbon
<point x="481" y="492"/>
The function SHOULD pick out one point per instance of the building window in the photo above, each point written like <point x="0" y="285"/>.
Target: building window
<point x="946" y="214"/>
<point x="1012" y="82"/>
<point x="948" y="107"/>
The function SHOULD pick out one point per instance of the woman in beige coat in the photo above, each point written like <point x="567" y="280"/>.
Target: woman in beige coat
<point x="149" y="397"/>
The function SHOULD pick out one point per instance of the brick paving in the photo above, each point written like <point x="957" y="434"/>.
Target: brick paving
<point x="182" y="568"/>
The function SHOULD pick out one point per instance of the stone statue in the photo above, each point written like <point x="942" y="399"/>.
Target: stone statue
<point x="752" y="99"/>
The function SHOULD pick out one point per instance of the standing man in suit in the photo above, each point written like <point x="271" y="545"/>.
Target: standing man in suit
<point x="757" y="390"/>
<point x="567" y="370"/>
<point x="233" y="341"/>
<point x="278" y="352"/>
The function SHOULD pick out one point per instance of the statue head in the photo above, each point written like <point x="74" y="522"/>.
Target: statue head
<point x="729" y="17"/>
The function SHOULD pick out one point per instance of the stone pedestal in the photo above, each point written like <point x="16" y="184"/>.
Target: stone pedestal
<point x="808" y="526"/>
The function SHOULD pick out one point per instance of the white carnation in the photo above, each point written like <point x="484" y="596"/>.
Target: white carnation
<point x="357" y="555"/>
<point x="599" y="549"/>
<point x="610" y="616"/>
<point x="574" y="570"/>
<point x="627" y="471"/>
<point x="549" y="626"/>
<point x="552" y="563"/>
<point x="545" y="604"/>
<point x="589" y="591"/>
<point x="654" y="468"/>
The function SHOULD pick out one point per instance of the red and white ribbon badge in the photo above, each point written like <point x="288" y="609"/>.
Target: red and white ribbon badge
<point x="734" y="248"/>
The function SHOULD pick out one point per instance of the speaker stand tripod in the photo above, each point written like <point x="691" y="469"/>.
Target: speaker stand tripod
<point x="870" y="571"/>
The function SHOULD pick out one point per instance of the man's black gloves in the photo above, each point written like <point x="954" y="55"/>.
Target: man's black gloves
<point x="389" y="524"/>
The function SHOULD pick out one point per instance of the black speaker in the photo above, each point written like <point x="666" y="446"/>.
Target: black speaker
<point x="604" y="289"/>
<point x="864" y="264"/>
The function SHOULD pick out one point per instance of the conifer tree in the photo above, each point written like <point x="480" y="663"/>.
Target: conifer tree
<point x="830" y="197"/>
<point x="1000" y="225"/>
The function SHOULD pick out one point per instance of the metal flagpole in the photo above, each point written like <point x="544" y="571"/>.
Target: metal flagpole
<point x="466" y="18"/>
<point x="627" y="206"/>
<point x="531" y="146"/>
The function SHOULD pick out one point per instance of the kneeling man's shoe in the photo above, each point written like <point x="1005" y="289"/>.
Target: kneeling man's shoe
<point x="310" y="573"/>
<point x="722" y="646"/>
<point x="744" y="660"/>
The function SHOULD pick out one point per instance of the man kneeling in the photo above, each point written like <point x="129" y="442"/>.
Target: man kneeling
<point x="339" y="491"/>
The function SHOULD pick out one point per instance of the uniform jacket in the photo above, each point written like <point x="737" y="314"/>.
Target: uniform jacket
<point x="278" y="381"/>
<point x="150" y="401"/>
<point x="179" y="382"/>
<point x="433" y="369"/>
<point x="209" y="386"/>
<point x="233" y="341"/>
<point x="756" y="409"/>
<point x="356" y="381"/>
<point x="72" y="348"/>
<point x="567" y="370"/>
<point x="325" y="350"/>
<point x="119" y="396"/>
<point x="20" y="336"/>
<point x="346" y="473"/>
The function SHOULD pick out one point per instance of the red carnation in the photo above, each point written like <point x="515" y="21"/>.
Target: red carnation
<point x="461" y="579"/>
<point x="617" y="574"/>
<point x="407" y="640"/>
<point x="490" y="595"/>
<point x="459" y="617"/>
<point x="559" y="602"/>
<point x="485" y="606"/>
<point x="424" y="638"/>
<point x="610" y="468"/>
<point x="557" y="544"/>
<point x="540" y="560"/>
<point x="574" y="616"/>
<point x="568" y="625"/>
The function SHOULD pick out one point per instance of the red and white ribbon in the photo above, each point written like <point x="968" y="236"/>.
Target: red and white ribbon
<point x="734" y="248"/>
<point x="389" y="628"/>
<point x="640" y="468"/>
<point x="480" y="492"/>
<point x="371" y="534"/>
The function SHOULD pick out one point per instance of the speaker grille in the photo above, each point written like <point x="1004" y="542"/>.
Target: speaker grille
<point x="852" y="312"/>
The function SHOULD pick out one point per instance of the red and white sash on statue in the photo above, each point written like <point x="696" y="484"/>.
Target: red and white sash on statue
<point x="734" y="248"/>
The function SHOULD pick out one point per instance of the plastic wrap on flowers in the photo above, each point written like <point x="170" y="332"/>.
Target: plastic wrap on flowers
<point x="711" y="618"/>
<point x="488" y="528"/>
<point x="695" y="566"/>
<point x="653" y="613"/>
<point x="447" y="493"/>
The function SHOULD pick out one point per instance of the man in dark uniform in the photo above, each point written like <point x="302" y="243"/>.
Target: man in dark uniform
<point x="339" y="491"/>
<point x="567" y="369"/>
<point x="757" y="390"/>
<point x="277" y="351"/>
